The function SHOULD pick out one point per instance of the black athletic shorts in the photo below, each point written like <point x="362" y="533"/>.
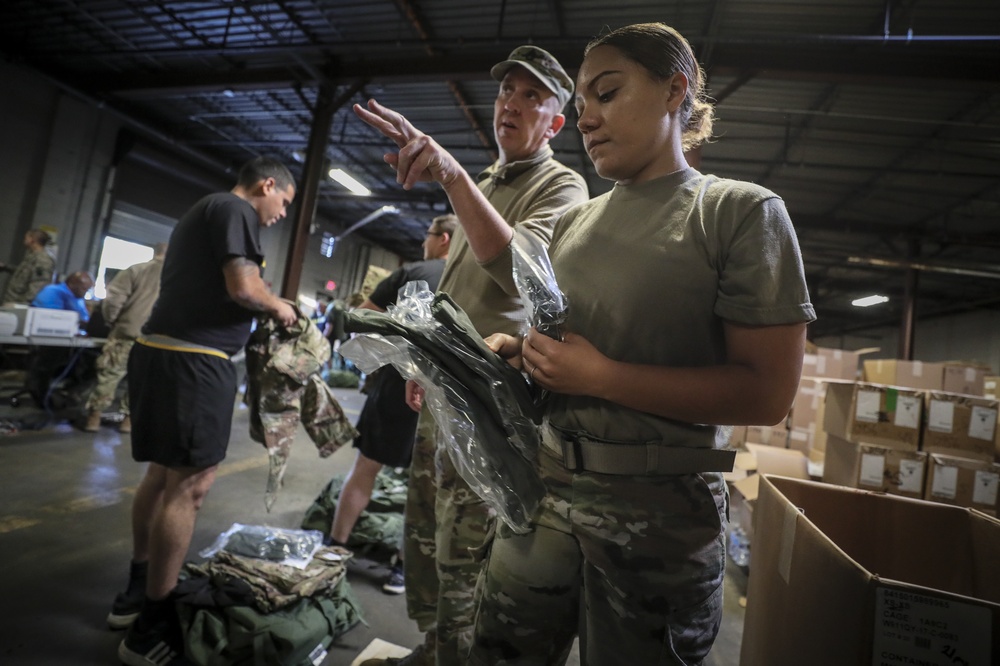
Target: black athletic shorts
<point x="387" y="427"/>
<point x="181" y="406"/>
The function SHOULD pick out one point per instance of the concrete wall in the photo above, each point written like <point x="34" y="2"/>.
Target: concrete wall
<point x="57" y="154"/>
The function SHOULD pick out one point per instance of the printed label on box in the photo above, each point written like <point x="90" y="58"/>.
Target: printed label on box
<point x="914" y="628"/>
<point x="868" y="406"/>
<point x="945" y="482"/>
<point x="911" y="476"/>
<point x="982" y="423"/>
<point x="985" y="489"/>
<point x="941" y="416"/>
<point x="908" y="411"/>
<point x="872" y="469"/>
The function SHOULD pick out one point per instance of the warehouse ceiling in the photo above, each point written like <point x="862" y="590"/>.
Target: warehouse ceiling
<point x="877" y="122"/>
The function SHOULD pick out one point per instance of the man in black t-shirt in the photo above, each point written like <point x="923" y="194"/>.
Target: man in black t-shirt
<point x="182" y="387"/>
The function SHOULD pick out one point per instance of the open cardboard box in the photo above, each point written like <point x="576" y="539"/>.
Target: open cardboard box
<point x="842" y="576"/>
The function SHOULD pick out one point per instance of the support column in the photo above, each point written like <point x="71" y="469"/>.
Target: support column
<point x="319" y="137"/>
<point x="906" y="325"/>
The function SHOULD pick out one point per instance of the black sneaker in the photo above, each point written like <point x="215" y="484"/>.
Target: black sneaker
<point x="126" y="608"/>
<point x="158" y="647"/>
<point x="395" y="584"/>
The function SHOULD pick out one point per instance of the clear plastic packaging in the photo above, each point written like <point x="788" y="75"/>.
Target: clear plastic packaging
<point x="294" y="548"/>
<point x="536" y="284"/>
<point x="481" y="422"/>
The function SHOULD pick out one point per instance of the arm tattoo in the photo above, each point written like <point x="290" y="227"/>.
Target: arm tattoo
<point x="243" y="271"/>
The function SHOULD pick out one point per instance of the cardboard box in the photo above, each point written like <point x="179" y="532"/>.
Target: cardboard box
<point x="768" y="435"/>
<point x="873" y="413"/>
<point x="52" y="323"/>
<point x="873" y="467"/>
<point x="13" y="319"/>
<point x="843" y="576"/>
<point x="963" y="482"/>
<point x="963" y="378"/>
<point x="910" y="374"/>
<point x="990" y="387"/>
<point x="960" y="425"/>
<point x="833" y="363"/>
<point x="756" y="460"/>
<point x="808" y="398"/>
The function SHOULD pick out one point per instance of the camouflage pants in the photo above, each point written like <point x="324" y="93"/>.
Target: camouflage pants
<point x="446" y="528"/>
<point x="112" y="366"/>
<point x="644" y="557"/>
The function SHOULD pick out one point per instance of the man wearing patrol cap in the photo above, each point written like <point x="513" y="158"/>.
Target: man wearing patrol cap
<point x="447" y="525"/>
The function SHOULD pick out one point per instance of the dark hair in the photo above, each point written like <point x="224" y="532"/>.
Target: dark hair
<point x="663" y="52"/>
<point x="445" y="223"/>
<point x="40" y="237"/>
<point x="262" y="168"/>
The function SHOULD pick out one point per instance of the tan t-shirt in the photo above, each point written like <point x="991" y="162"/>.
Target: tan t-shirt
<point x="652" y="271"/>
<point x="530" y="194"/>
<point x="130" y="298"/>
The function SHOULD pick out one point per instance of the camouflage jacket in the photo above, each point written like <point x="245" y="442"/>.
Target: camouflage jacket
<point x="275" y="585"/>
<point x="284" y="388"/>
<point x="33" y="273"/>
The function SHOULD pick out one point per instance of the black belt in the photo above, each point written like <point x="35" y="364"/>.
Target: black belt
<point x="581" y="453"/>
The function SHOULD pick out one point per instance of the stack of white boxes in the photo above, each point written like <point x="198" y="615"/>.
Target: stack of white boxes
<point x="19" y="320"/>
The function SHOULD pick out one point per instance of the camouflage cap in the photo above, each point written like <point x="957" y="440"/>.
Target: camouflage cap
<point x="543" y="65"/>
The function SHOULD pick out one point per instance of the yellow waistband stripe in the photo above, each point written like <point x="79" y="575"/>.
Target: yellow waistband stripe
<point x="178" y="345"/>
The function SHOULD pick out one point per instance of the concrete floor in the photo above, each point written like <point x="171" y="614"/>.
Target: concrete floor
<point x="65" y="540"/>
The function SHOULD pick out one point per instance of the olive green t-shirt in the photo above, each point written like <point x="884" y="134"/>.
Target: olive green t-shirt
<point x="651" y="272"/>
<point x="530" y="194"/>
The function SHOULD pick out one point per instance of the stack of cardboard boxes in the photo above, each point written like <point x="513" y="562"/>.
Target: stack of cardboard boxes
<point x="922" y="430"/>
<point x="918" y="430"/>
<point x="910" y="428"/>
<point x="842" y="575"/>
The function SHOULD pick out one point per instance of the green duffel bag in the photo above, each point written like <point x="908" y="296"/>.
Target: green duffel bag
<point x="298" y="635"/>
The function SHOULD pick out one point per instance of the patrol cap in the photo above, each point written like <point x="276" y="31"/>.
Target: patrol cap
<point x="543" y="65"/>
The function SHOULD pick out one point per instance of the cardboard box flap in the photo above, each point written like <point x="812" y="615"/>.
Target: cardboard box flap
<point x="748" y="487"/>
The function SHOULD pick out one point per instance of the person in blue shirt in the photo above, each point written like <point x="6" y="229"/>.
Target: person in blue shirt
<point x="67" y="295"/>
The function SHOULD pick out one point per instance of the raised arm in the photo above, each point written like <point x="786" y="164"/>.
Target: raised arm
<point x="421" y="158"/>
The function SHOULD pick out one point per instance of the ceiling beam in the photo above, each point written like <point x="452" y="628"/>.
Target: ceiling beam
<point x="954" y="66"/>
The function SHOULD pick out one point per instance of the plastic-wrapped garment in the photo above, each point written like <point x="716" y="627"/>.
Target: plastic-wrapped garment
<point x="536" y="283"/>
<point x="288" y="547"/>
<point x="284" y="389"/>
<point x="482" y="406"/>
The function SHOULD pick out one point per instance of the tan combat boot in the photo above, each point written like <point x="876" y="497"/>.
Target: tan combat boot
<point x="93" y="422"/>
<point x="126" y="425"/>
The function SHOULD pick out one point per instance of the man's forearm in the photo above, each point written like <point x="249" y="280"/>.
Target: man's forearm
<point x="487" y="232"/>
<point x="246" y="288"/>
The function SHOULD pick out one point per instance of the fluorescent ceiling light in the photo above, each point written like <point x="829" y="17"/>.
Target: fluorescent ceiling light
<point x="349" y="182"/>
<point x="869" y="300"/>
